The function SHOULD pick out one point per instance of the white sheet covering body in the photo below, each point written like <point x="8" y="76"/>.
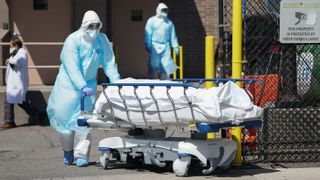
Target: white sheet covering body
<point x="214" y="105"/>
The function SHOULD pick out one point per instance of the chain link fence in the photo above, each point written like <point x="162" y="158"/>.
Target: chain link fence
<point x="290" y="89"/>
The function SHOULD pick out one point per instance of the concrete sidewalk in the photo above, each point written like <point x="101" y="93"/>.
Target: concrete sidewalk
<point x="34" y="152"/>
<point x="254" y="174"/>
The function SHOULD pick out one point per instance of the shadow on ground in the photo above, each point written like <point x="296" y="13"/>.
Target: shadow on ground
<point x="194" y="170"/>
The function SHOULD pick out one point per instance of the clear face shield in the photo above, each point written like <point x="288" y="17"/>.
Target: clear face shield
<point x="94" y="26"/>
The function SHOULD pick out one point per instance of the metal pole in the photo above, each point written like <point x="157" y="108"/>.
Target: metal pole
<point x="209" y="69"/>
<point x="221" y="60"/>
<point x="237" y="66"/>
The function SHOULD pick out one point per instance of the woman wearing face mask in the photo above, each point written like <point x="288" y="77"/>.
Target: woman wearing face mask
<point x="17" y="81"/>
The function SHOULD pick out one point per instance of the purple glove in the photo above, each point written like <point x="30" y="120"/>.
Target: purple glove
<point x="88" y="91"/>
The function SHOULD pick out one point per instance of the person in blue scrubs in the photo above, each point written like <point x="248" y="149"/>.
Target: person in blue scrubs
<point x="159" y="37"/>
<point x="83" y="51"/>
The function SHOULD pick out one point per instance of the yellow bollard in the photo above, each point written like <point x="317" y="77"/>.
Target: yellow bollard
<point x="209" y="69"/>
<point x="209" y="65"/>
<point x="237" y="66"/>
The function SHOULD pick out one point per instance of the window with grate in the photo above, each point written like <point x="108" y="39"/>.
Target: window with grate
<point x="40" y="4"/>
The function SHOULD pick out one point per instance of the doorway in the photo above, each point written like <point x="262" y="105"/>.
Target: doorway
<point x="129" y="18"/>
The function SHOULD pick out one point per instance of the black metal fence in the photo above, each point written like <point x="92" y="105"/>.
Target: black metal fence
<point x="290" y="92"/>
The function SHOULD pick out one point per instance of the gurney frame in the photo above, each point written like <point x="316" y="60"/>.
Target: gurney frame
<point x="159" y="150"/>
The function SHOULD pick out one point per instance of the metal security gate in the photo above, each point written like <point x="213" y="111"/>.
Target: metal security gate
<point x="290" y="91"/>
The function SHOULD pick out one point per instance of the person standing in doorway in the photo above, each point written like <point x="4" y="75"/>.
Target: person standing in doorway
<point x="159" y="37"/>
<point x="17" y="80"/>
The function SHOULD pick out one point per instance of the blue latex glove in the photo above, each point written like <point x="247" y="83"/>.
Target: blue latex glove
<point x="88" y="91"/>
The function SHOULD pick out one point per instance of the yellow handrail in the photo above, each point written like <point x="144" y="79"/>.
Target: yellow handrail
<point x="180" y="65"/>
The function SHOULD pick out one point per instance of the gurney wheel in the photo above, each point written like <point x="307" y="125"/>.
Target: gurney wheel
<point x="104" y="160"/>
<point x="105" y="164"/>
<point x="181" y="166"/>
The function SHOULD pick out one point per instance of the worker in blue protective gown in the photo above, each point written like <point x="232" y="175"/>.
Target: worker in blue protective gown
<point x="82" y="53"/>
<point x="159" y="37"/>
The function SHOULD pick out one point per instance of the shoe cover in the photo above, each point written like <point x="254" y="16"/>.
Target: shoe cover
<point x="68" y="157"/>
<point x="81" y="162"/>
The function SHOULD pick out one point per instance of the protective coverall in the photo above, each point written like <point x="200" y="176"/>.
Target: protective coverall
<point x="82" y="53"/>
<point x="159" y="37"/>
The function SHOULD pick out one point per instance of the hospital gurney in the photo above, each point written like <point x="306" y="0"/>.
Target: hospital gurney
<point x="144" y="142"/>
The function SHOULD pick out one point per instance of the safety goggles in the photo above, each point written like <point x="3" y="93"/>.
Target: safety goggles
<point x="165" y="10"/>
<point x="94" y="26"/>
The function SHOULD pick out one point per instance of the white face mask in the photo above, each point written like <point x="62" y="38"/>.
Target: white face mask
<point x="92" y="34"/>
<point x="163" y="14"/>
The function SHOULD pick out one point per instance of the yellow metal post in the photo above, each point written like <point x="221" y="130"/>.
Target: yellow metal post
<point x="209" y="65"/>
<point x="209" y="69"/>
<point x="237" y="66"/>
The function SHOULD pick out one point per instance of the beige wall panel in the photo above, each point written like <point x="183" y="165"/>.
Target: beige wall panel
<point x="51" y="25"/>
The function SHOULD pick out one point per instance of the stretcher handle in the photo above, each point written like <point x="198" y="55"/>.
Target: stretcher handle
<point x="219" y="80"/>
<point x="149" y="84"/>
<point x="82" y="101"/>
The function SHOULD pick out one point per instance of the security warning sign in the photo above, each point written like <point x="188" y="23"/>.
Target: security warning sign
<point x="300" y="21"/>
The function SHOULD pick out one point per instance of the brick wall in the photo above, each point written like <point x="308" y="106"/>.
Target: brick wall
<point x="194" y="19"/>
